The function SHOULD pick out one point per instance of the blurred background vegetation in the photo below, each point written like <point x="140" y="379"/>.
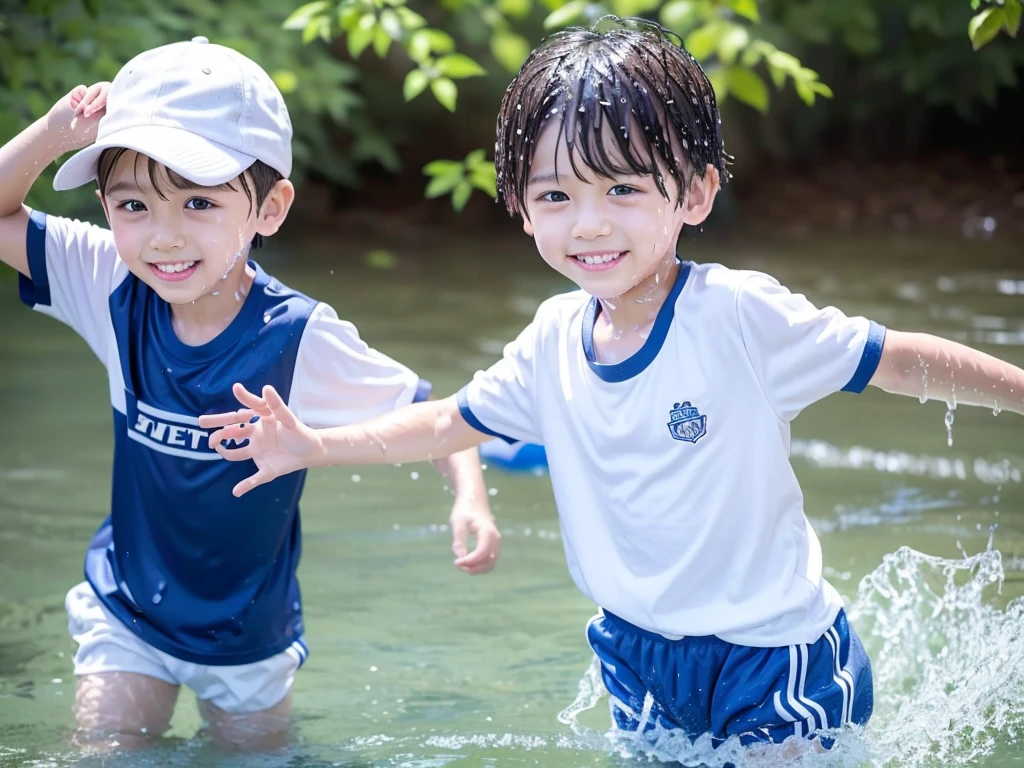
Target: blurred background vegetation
<point x="394" y="101"/>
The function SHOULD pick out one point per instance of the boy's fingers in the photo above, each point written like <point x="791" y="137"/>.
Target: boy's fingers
<point x="212" y="420"/>
<point x="459" y="539"/>
<point x="261" y="477"/>
<point x="234" y="454"/>
<point x="248" y="399"/>
<point x="277" y="406"/>
<point x="237" y="432"/>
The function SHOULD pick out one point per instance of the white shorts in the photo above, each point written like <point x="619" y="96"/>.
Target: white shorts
<point x="105" y="644"/>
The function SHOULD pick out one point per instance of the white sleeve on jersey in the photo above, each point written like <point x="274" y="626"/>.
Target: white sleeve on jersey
<point x="501" y="400"/>
<point x="339" y="380"/>
<point x="800" y="353"/>
<point x="74" y="268"/>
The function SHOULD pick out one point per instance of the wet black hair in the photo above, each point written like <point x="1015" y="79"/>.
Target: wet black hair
<point x="630" y="78"/>
<point x="259" y="175"/>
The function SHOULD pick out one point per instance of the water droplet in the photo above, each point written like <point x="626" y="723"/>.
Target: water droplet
<point x="356" y="478"/>
<point x="373" y="669"/>
<point x="949" y="425"/>
<point x="492" y="491"/>
<point x="266" y="318"/>
<point x="414" y="475"/>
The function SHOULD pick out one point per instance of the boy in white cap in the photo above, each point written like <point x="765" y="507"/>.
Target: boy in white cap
<point x="190" y="147"/>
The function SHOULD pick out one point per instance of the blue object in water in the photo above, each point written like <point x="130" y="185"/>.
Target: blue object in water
<point x="515" y="457"/>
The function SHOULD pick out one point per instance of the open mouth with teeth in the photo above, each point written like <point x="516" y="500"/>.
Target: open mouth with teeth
<point x="174" y="271"/>
<point x="597" y="261"/>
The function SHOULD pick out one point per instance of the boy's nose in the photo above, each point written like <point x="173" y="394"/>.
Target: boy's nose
<point x="166" y="239"/>
<point x="591" y="224"/>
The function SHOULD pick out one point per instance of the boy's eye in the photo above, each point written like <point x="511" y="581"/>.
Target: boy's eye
<point x="199" y="204"/>
<point x="621" y="189"/>
<point x="133" y="206"/>
<point x="554" y="197"/>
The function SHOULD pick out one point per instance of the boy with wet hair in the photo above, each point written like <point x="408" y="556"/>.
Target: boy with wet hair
<point x="190" y="147"/>
<point x="663" y="393"/>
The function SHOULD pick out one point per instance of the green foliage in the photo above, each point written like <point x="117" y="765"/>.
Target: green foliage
<point x="460" y="178"/>
<point x="898" y="56"/>
<point x="723" y="34"/>
<point x="49" y="46"/>
<point x="343" y="63"/>
<point x="996" y="16"/>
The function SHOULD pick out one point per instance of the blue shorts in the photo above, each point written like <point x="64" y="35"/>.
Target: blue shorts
<point x="706" y="685"/>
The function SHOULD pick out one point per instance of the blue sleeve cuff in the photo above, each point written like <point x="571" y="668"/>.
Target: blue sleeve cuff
<point x="869" y="359"/>
<point x="35" y="290"/>
<point x="423" y="390"/>
<point x="474" y="422"/>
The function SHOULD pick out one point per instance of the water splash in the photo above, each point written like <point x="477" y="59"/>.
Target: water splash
<point x="948" y="666"/>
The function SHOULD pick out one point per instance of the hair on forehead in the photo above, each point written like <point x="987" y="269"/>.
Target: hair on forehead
<point x="628" y="100"/>
<point x="256" y="181"/>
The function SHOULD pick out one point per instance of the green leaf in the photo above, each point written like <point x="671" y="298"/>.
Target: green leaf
<point x="285" y="80"/>
<point x="805" y="91"/>
<point x="348" y="17"/>
<point x="391" y="24"/>
<point x="515" y="9"/>
<point x="747" y="86"/>
<point x="745" y="8"/>
<point x="566" y="15"/>
<point x="445" y="92"/>
<point x="485" y="179"/>
<point x="442" y="167"/>
<point x="985" y="26"/>
<point x="423" y="42"/>
<point x="702" y="42"/>
<point x="442" y="185"/>
<point x="1013" y="10"/>
<point x="360" y="37"/>
<point x="732" y="41"/>
<point x="680" y="15"/>
<point x="460" y="196"/>
<point x="304" y="14"/>
<point x="458" y="66"/>
<point x="409" y="18"/>
<point x="415" y="83"/>
<point x="509" y="50"/>
<point x="475" y="158"/>
<point x="381" y="41"/>
<point x="819" y="87"/>
<point x="311" y="31"/>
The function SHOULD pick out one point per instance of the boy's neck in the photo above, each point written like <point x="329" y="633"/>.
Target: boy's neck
<point x="208" y="316"/>
<point x="625" y="321"/>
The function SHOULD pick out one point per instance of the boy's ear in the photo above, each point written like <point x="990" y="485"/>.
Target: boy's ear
<point x="527" y="225"/>
<point x="275" y="208"/>
<point x="701" y="195"/>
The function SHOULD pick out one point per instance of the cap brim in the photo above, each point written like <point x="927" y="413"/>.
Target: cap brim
<point x="199" y="160"/>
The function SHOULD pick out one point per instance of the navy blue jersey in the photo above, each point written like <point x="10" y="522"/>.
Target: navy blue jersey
<point x="192" y="570"/>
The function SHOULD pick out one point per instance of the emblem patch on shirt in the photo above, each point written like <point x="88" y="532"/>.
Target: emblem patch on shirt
<point x="687" y="423"/>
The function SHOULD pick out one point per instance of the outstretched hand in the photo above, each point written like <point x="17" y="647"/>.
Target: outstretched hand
<point x="278" y="442"/>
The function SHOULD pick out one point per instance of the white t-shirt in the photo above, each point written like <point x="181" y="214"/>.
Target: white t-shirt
<point x="679" y="509"/>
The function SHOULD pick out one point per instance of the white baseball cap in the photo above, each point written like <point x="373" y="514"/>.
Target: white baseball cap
<point x="203" y="110"/>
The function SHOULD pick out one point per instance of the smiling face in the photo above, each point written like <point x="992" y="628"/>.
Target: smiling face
<point x="184" y="241"/>
<point x="605" y="233"/>
<point x="608" y="142"/>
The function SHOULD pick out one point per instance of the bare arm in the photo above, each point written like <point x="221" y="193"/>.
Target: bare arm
<point x="70" y="124"/>
<point x="925" y="366"/>
<point x="433" y="430"/>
